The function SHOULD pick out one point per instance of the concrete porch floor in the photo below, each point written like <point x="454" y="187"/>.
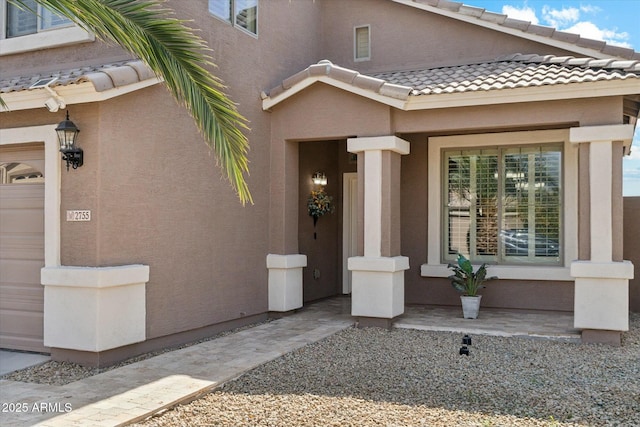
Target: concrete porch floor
<point x="490" y="321"/>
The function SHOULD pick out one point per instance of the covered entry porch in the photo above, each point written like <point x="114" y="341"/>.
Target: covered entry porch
<point x="402" y="142"/>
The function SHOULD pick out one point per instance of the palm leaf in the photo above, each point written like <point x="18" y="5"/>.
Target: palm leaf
<point x="171" y="49"/>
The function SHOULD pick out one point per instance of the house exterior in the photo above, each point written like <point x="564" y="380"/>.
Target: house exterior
<point x="440" y="128"/>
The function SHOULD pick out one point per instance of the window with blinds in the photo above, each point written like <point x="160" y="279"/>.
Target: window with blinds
<point x="362" y="43"/>
<point x="240" y="13"/>
<point x="504" y="205"/>
<point x="22" y="21"/>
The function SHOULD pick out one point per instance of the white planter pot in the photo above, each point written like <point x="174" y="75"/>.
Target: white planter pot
<point x="470" y="306"/>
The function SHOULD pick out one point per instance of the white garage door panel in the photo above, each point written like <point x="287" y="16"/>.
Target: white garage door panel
<point x="21" y="258"/>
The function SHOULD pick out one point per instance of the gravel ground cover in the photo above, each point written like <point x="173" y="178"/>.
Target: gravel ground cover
<point x="375" y="377"/>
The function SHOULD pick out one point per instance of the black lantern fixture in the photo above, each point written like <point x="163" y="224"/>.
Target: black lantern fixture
<point x="67" y="132"/>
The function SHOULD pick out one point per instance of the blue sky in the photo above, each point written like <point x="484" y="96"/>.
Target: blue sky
<point x="614" y="21"/>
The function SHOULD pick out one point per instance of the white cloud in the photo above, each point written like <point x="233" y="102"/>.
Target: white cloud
<point x="525" y="14"/>
<point x="590" y="30"/>
<point x="560" y="17"/>
<point x="590" y="9"/>
<point x="571" y="20"/>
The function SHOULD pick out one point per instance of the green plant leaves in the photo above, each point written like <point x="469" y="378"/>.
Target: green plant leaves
<point x="464" y="279"/>
<point x="148" y="30"/>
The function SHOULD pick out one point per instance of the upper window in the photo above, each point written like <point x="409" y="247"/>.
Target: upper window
<point x="503" y="205"/>
<point x="23" y="21"/>
<point x="24" y="30"/>
<point x="362" y="43"/>
<point x="240" y="13"/>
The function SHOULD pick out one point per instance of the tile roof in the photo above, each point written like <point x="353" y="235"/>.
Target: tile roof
<point x="103" y="77"/>
<point x="510" y="72"/>
<point x="520" y="27"/>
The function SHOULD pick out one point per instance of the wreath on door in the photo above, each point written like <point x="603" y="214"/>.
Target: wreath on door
<point x="319" y="204"/>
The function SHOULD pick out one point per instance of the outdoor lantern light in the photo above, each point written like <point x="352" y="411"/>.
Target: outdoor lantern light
<point x="319" y="179"/>
<point x="67" y="132"/>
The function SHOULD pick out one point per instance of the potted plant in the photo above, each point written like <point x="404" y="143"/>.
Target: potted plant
<point x="468" y="282"/>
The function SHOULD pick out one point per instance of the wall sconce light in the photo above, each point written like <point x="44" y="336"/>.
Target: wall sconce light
<point x="319" y="179"/>
<point x="67" y="132"/>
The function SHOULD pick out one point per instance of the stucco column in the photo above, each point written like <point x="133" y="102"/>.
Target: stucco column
<point x="378" y="276"/>
<point x="94" y="308"/>
<point x="284" y="262"/>
<point x="601" y="304"/>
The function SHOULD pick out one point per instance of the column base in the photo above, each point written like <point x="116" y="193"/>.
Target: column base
<point x="285" y="281"/>
<point x="374" y="322"/>
<point x="94" y="309"/>
<point x="601" y="299"/>
<point x="592" y="336"/>
<point x="377" y="286"/>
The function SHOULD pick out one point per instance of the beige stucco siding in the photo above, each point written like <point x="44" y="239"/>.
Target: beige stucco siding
<point x="413" y="39"/>
<point x="155" y="192"/>
<point x="632" y="247"/>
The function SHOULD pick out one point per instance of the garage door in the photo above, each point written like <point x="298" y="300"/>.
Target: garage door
<point x="21" y="246"/>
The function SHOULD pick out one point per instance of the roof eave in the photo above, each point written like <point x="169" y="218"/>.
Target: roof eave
<point x="474" y="98"/>
<point x="572" y="47"/>
<point x="269" y="102"/>
<point x="79" y="93"/>
<point x="525" y="94"/>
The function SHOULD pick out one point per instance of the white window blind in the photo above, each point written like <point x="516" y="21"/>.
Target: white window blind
<point x="221" y="9"/>
<point x="22" y="21"/>
<point x="504" y="205"/>
<point x="246" y="13"/>
<point x="362" y="48"/>
<point x="240" y="13"/>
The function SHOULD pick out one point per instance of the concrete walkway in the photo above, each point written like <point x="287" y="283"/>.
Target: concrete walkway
<point x="133" y="392"/>
<point x="15" y="360"/>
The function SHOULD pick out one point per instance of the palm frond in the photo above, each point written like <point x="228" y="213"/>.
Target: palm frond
<point x="171" y="49"/>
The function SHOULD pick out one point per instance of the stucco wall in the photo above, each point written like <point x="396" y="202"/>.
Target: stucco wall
<point x="413" y="38"/>
<point x="155" y="192"/>
<point x="632" y="247"/>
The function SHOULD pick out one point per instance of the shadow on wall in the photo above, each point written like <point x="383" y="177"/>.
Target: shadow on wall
<point x="631" y="250"/>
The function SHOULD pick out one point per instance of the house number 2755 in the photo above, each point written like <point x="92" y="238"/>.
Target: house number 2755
<point x="79" y="215"/>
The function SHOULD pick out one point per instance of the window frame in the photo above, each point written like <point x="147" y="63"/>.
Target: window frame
<point x="435" y="266"/>
<point x="48" y="38"/>
<point x="356" y="58"/>
<point x="500" y="154"/>
<point x="231" y="19"/>
<point x="43" y="16"/>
